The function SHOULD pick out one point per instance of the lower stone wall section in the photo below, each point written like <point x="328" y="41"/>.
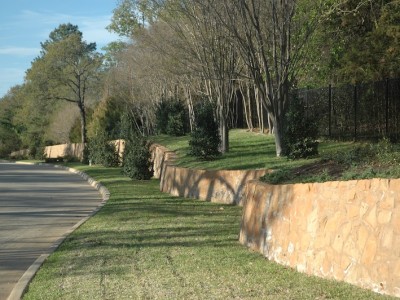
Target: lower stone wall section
<point x="215" y="186"/>
<point x="62" y="150"/>
<point x="342" y="230"/>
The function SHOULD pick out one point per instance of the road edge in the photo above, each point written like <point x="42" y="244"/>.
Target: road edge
<point x="22" y="284"/>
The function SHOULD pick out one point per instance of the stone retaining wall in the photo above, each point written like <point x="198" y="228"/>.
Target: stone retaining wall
<point x="71" y="149"/>
<point x="62" y="150"/>
<point x="342" y="230"/>
<point x="216" y="186"/>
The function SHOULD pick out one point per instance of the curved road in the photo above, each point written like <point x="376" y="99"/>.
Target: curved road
<point x="38" y="205"/>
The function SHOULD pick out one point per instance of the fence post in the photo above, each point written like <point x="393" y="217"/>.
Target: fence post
<point x="330" y="110"/>
<point x="387" y="106"/>
<point x="355" y="112"/>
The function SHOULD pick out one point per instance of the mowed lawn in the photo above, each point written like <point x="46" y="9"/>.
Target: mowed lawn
<point x="248" y="150"/>
<point x="145" y="244"/>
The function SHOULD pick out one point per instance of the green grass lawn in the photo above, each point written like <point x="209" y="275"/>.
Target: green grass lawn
<point x="144" y="244"/>
<point x="337" y="160"/>
<point x="248" y="150"/>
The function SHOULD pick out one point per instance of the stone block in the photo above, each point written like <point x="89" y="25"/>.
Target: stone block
<point x="362" y="236"/>
<point x="313" y="222"/>
<point x="371" y="217"/>
<point x="369" y="251"/>
<point x="333" y="223"/>
<point x="384" y="216"/>
<point x="352" y="211"/>
<point x="350" y="248"/>
<point x="363" y="208"/>
<point x="387" y="202"/>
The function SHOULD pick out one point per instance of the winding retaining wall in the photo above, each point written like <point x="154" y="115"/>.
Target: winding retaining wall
<point x="345" y="230"/>
<point x="74" y="149"/>
<point x="225" y="186"/>
<point x="342" y="230"/>
<point x="70" y="149"/>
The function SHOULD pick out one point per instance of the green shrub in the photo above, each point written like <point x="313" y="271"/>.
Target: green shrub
<point x="162" y="117"/>
<point x="276" y="177"/>
<point x="36" y="152"/>
<point x="102" y="151"/>
<point x="175" y="124"/>
<point x="301" y="132"/>
<point x="137" y="159"/>
<point x="171" y="117"/>
<point x="205" y="140"/>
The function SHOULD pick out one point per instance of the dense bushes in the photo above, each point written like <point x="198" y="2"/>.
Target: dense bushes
<point x="301" y="132"/>
<point x="137" y="158"/>
<point x="9" y="141"/>
<point x="102" y="151"/>
<point x="136" y="161"/>
<point x="205" y="140"/>
<point x="171" y="117"/>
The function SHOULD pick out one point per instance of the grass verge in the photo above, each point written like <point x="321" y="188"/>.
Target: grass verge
<point x="336" y="160"/>
<point x="248" y="150"/>
<point x="145" y="244"/>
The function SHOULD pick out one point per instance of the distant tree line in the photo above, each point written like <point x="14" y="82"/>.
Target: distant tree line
<point x="177" y="57"/>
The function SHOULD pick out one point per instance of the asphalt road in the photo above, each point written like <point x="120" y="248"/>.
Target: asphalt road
<point x="38" y="205"/>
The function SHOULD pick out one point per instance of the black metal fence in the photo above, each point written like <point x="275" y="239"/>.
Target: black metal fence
<point x="362" y="111"/>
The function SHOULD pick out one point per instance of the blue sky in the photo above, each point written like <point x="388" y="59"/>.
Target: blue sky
<point x="26" y="23"/>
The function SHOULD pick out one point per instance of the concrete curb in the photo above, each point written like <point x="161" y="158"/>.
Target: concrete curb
<point x="22" y="284"/>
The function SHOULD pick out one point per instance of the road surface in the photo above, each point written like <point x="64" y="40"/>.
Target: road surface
<point x="38" y="205"/>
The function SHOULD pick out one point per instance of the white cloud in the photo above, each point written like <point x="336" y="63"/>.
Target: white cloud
<point x="19" y="51"/>
<point x="92" y="27"/>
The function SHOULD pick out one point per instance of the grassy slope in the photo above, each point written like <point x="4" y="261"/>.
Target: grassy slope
<point x="336" y="160"/>
<point x="248" y="150"/>
<point x="147" y="245"/>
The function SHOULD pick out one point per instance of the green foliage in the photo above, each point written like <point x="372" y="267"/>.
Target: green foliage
<point x="276" y="177"/>
<point x="127" y="128"/>
<point x="106" y="118"/>
<point x="112" y="50"/>
<point x="102" y="151"/>
<point x="62" y="32"/>
<point x="131" y="15"/>
<point x="171" y="117"/>
<point x="136" y="162"/>
<point x="9" y="141"/>
<point x="36" y="152"/>
<point x="137" y="158"/>
<point x="205" y="140"/>
<point x="301" y="132"/>
<point x="125" y="18"/>
<point x="355" y="42"/>
<point x="67" y="68"/>
<point x="162" y="117"/>
<point x="75" y="133"/>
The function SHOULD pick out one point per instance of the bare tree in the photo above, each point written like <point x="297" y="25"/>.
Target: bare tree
<point x="272" y="35"/>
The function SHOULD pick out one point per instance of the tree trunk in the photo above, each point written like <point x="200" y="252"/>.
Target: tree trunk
<point x="189" y="103"/>
<point x="224" y="134"/>
<point x="83" y="124"/>
<point x="247" y="106"/>
<point x="279" y="136"/>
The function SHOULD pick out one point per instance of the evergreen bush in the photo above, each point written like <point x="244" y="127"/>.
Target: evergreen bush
<point x="171" y="117"/>
<point x="301" y="132"/>
<point x="205" y="140"/>
<point x="137" y="158"/>
<point x="102" y="151"/>
<point x="162" y="111"/>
